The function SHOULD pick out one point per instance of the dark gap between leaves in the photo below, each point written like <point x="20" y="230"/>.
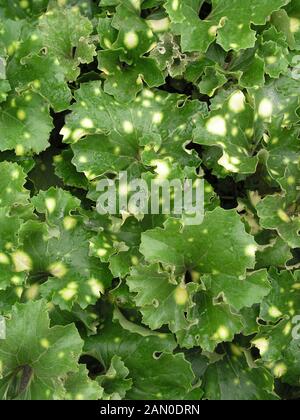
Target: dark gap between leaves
<point x="93" y="365"/>
<point x="205" y="10"/>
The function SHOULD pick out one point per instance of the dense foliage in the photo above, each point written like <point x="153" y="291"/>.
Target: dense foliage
<point x="114" y="307"/>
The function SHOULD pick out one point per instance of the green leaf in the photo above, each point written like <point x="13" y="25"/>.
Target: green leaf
<point x="12" y="189"/>
<point x="21" y="9"/>
<point x="65" y="170"/>
<point x="25" y="123"/>
<point x="8" y="298"/>
<point x="44" y="75"/>
<point x="283" y="23"/>
<point x="115" y="381"/>
<point x="276" y="254"/>
<point x="277" y="99"/>
<point x="232" y="379"/>
<point x="127" y="127"/>
<point x="59" y="249"/>
<point x="161" y="297"/>
<point x="118" y="243"/>
<point x="134" y="36"/>
<point x="156" y="374"/>
<point x="165" y="91"/>
<point x="97" y="154"/>
<point x="4" y="84"/>
<point x="274" y="50"/>
<point x="229" y="20"/>
<point x="278" y="342"/>
<point x="107" y="33"/>
<point x="35" y="358"/>
<point x="219" y="245"/>
<point x="250" y="320"/>
<point x="80" y="387"/>
<point x="253" y="73"/>
<point x="280" y="351"/>
<point x="283" y="299"/>
<point x="168" y="56"/>
<point x="27" y="163"/>
<point x="279" y="213"/>
<point x="282" y="142"/>
<point x="211" y="81"/>
<point x="211" y="323"/>
<point x="9" y="227"/>
<point x="123" y="60"/>
<point x="57" y="205"/>
<point x="232" y="129"/>
<point x="129" y="77"/>
<point x="239" y="293"/>
<point x="66" y="35"/>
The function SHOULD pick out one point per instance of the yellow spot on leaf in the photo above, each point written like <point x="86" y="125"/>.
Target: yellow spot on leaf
<point x="107" y="43"/>
<point x="235" y="131"/>
<point x="45" y="343"/>
<point x="283" y="216"/>
<point x="66" y="133"/>
<point x="250" y="250"/>
<point x="58" y="269"/>
<point x="280" y="370"/>
<point x="83" y="159"/>
<point x="217" y="125"/>
<point x="96" y="286"/>
<point x="181" y="295"/>
<point x="265" y="108"/>
<point x="77" y="134"/>
<point x="69" y="222"/>
<point x="24" y="4"/>
<point x="32" y="292"/>
<point x="271" y="59"/>
<point x="162" y="168"/>
<point x="87" y="123"/>
<point x="223" y="333"/>
<point x="159" y="25"/>
<point x="15" y="174"/>
<point x="262" y="344"/>
<point x="274" y="312"/>
<point x="36" y="84"/>
<point x="237" y="102"/>
<point x="21" y="114"/>
<point x="175" y="5"/>
<point x="4" y="259"/>
<point x="128" y="127"/>
<point x="228" y="163"/>
<point x="22" y="261"/>
<point x="131" y="40"/>
<point x="69" y="292"/>
<point x="101" y="252"/>
<point x="157" y="117"/>
<point x="16" y="280"/>
<point x="19" y="150"/>
<point x="294" y="24"/>
<point x="287" y="329"/>
<point x="213" y="30"/>
<point x="134" y="260"/>
<point x="50" y="204"/>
